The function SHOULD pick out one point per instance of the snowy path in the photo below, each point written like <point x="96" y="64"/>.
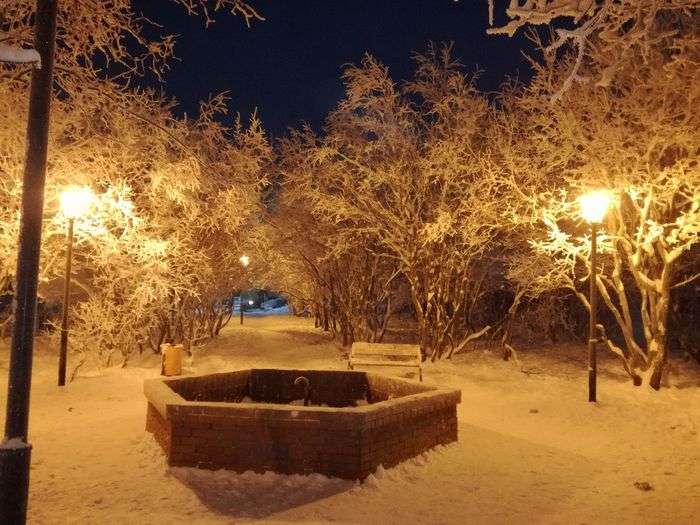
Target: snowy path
<point x="530" y="450"/>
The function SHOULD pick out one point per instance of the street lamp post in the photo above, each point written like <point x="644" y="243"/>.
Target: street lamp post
<point x="15" y="449"/>
<point x="245" y="261"/>
<point x="74" y="203"/>
<point x="240" y="305"/>
<point x="594" y="205"/>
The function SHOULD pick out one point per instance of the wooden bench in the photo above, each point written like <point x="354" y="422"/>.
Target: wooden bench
<point x="385" y="354"/>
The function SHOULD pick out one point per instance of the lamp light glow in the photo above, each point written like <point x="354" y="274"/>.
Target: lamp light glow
<point x="76" y="201"/>
<point x="251" y="302"/>
<point x="244" y="260"/>
<point x="594" y="205"/>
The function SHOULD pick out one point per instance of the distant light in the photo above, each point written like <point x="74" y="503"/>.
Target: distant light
<point x="594" y="205"/>
<point x="250" y="303"/>
<point x="76" y="201"/>
<point x="244" y="260"/>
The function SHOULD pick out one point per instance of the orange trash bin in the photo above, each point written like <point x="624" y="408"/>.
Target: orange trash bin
<point x="171" y="356"/>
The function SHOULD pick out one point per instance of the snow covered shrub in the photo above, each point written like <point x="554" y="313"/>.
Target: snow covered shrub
<point x="394" y="189"/>
<point x="175" y="196"/>
<point x="636" y="137"/>
<point x="548" y="318"/>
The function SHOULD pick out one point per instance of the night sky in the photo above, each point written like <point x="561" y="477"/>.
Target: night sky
<point x="289" y="65"/>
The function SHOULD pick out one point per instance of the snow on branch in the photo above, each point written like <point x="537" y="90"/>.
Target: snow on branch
<point x="235" y="7"/>
<point x="584" y="13"/>
<point x="601" y="28"/>
<point x="539" y="12"/>
<point x="17" y="55"/>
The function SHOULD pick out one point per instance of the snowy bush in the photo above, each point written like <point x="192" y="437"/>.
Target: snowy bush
<point x="636" y="137"/>
<point x="394" y="193"/>
<point x="156" y="256"/>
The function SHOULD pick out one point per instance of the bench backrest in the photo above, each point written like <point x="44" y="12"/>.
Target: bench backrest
<point x="385" y="349"/>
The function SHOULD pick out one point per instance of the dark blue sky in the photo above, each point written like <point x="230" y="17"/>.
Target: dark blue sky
<point x="289" y="66"/>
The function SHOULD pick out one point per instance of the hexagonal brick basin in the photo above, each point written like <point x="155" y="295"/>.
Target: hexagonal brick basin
<point x="255" y="420"/>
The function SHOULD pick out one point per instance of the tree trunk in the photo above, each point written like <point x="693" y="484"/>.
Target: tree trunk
<point x="657" y="347"/>
<point x="657" y="364"/>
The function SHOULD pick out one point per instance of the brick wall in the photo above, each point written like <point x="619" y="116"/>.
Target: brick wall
<point x="347" y="442"/>
<point x="383" y="387"/>
<point x="224" y="387"/>
<point x="405" y="434"/>
<point x="157" y="425"/>
<point x="334" y="389"/>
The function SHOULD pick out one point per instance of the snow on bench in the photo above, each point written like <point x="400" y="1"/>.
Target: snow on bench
<point x="385" y="354"/>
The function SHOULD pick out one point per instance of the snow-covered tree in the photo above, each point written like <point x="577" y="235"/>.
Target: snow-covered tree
<point x="609" y="32"/>
<point x="396" y="178"/>
<point x="175" y="196"/>
<point x="636" y="137"/>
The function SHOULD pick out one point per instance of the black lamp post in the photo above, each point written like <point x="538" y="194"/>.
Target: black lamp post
<point x="74" y="204"/>
<point x="15" y="451"/>
<point x="245" y="261"/>
<point x="594" y="205"/>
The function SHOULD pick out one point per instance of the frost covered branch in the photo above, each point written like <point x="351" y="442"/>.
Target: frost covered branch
<point x="539" y="12"/>
<point x="235" y="7"/>
<point x="601" y="28"/>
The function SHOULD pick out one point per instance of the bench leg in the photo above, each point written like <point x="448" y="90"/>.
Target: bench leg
<point x="420" y="374"/>
<point x="350" y="366"/>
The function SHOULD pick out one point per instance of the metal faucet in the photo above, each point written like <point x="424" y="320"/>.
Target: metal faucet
<point x="301" y="380"/>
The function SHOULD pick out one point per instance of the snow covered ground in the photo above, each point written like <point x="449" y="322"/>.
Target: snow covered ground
<point x="531" y="448"/>
<point x="261" y="312"/>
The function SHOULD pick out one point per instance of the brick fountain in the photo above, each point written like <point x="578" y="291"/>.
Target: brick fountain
<point x="254" y="420"/>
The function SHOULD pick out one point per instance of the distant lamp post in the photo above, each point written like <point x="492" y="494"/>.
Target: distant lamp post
<point x="594" y="206"/>
<point x="75" y="203"/>
<point x="245" y="261"/>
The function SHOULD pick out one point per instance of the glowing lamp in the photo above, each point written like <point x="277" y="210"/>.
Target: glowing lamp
<point x="244" y="260"/>
<point x="76" y="201"/>
<point x="594" y="205"/>
<point x="250" y="303"/>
